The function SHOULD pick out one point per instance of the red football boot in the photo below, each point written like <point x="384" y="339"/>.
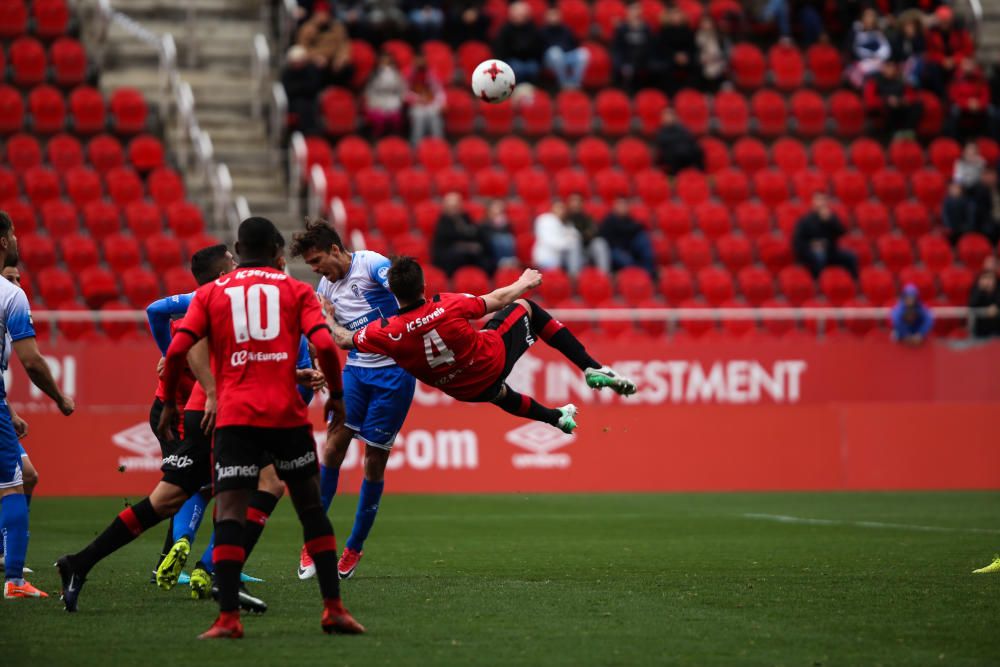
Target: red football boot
<point x="337" y="620"/>
<point x="226" y="626"/>
<point x="348" y="562"/>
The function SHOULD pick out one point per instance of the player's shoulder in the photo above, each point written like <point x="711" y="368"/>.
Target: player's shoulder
<point x="11" y="293"/>
<point x="374" y="265"/>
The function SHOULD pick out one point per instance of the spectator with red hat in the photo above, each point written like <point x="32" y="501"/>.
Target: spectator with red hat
<point x="948" y="44"/>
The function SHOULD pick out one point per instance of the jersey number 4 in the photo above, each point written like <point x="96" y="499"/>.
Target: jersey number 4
<point x="252" y="307"/>
<point x="436" y="351"/>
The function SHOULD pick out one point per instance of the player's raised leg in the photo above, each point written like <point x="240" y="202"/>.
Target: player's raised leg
<point x="992" y="568"/>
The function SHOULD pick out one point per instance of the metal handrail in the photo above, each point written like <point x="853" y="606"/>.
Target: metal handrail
<point x="260" y="74"/>
<point x="278" y="117"/>
<point x="316" y="197"/>
<point x="297" y="155"/>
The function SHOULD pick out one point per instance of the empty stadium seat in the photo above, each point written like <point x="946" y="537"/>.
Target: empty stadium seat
<point x="771" y="113"/>
<point x="715" y="285"/>
<point x="973" y="248"/>
<point x="935" y="252"/>
<point x="674" y="219"/>
<point x="571" y="181"/>
<point x="178" y="280"/>
<point x="59" y="218"/>
<point x="470" y="53"/>
<point x="163" y="251"/>
<point x="354" y="154"/>
<point x="390" y="218"/>
<point x="105" y="153"/>
<point x="929" y="187"/>
<point x="78" y="251"/>
<point x="98" y="286"/>
<point x="23" y="152"/>
<point x="28" y="62"/>
<point x="338" y="110"/>
<point x="124" y="185"/>
<point x="434" y="154"/>
<point x="889" y="186"/>
<point x="694" y="251"/>
<point x="610" y="184"/>
<point x="750" y="155"/>
<point x="83" y="185"/>
<point x="676" y="285"/>
<point x="64" y="152"/>
<point x="101" y="218"/>
<point x="649" y="105"/>
<point x="22" y="213"/>
<point x="460" y="112"/>
<point x="848" y="113"/>
<point x="912" y="219"/>
<point x="474" y="153"/>
<point x="573" y="109"/>
<point x="614" y="110"/>
<point x="129" y="111"/>
<point x="732" y="186"/>
<point x="185" y="220"/>
<point x="48" y="110"/>
<point x="828" y="155"/>
<point x="895" y="251"/>
<point x="69" y="62"/>
<point x="11" y="109"/>
<point x="906" y="155"/>
<point x="692" y="110"/>
<point x="837" y="285"/>
<point x="713" y="219"/>
<point x="789" y="155"/>
<point x="633" y="155"/>
<point x="13" y="19"/>
<point x="87" y="111"/>
<point x="716" y="154"/>
<point x="756" y="285"/>
<point x="774" y="251"/>
<point x="471" y="280"/>
<point x="734" y="251"/>
<point x="165" y="186"/>
<point x="796" y="284"/>
<point x="414" y="185"/>
<point x="747" y="65"/>
<point x="607" y="15"/>
<point x="393" y="153"/>
<point x="942" y="153"/>
<point x="878" y="285"/>
<point x="825" y="65"/>
<point x="771" y="186"/>
<point x="40" y="185"/>
<point x="143" y="218"/>
<point x="809" y="113"/>
<point x="533" y="186"/>
<point x="55" y="286"/>
<point x="732" y="113"/>
<point x="498" y="119"/>
<point x="598" y="72"/>
<point x="859" y="246"/>
<point x="956" y="282"/>
<point x="121" y="251"/>
<point x="753" y="219"/>
<point x="850" y="186"/>
<point x="922" y="279"/>
<point x="787" y="66"/>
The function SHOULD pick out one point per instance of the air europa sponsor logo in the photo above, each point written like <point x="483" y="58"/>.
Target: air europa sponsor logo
<point x="424" y="450"/>
<point x="242" y="357"/>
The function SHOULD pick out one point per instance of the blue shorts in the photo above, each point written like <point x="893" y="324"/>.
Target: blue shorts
<point x="10" y="451"/>
<point x="377" y="400"/>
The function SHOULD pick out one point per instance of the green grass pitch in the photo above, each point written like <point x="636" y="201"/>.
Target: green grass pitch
<point x="561" y="580"/>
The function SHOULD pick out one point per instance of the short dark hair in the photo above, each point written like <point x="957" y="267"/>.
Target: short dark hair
<point x="406" y="279"/>
<point x="206" y="263"/>
<point x="319" y="235"/>
<point x="6" y="224"/>
<point x="258" y="239"/>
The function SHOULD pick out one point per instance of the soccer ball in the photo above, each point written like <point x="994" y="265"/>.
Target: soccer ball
<point x="493" y="81"/>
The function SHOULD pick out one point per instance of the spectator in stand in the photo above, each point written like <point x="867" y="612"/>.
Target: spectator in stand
<point x="676" y="52"/>
<point x="713" y="54"/>
<point x="563" y="54"/>
<point x="888" y="98"/>
<point x="558" y="244"/>
<point x="985" y="294"/>
<point x="969" y="167"/>
<point x="870" y="48"/>
<point x="496" y="227"/>
<point x="426" y="18"/>
<point x="595" y="247"/>
<point x="957" y="213"/>
<point x="815" y="239"/>
<point x="908" y="47"/>
<point x="334" y="47"/>
<point x="676" y="147"/>
<point x="425" y="100"/>
<point x="458" y="241"/>
<point x="466" y="22"/>
<point x="631" y="50"/>
<point x="778" y="12"/>
<point x="302" y="78"/>
<point x="629" y="242"/>
<point x="911" y="319"/>
<point x="971" y="112"/>
<point x="519" y="43"/>
<point x="384" y="97"/>
<point x="948" y="45"/>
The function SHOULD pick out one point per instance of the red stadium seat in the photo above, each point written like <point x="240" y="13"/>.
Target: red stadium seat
<point x="878" y="285"/>
<point x="895" y="251"/>
<point x="69" y="62"/>
<point x="536" y="113"/>
<point x="787" y="66"/>
<point x="774" y="252"/>
<point x="611" y="184"/>
<point x="859" y="246"/>
<point x="872" y="218"/>
<point x="120" y="331"/>
<point x="634" y="285"/>
<point x="143" y="218"/>
<point x="788" y="213"/>
<point x="920" y="278"/>
<point x="614" y="111"/>
<point x="553" y="154"/>
<point x="338" y="110"/>
<point x="735" y="251"/>
<point x="374" y="185"/>
<point x="674" y="220"/>
<point x="716" y="285"/>
<point x="401" y="52"/>
<point x="451" y="180"/>
<point x="185" y="220"/>
<point x="413" y="245"/>
<point x="460" y="112"/>
<point x="363" y="57"/>
<point x="889" y="186"/>
<point x="576" y="16"/>
<point x="48" y="110"/>
<point x="572" y="181"/>
<point x="555" y="287"/>
<point x="145" y="152"/>
<point x="956" y="283"/>
<point x="932" y="117"/>
<point x="828" y="155"/>
<point x="128" y="111"/>
<point x="732" y="186"/>
<point x="935" y="252"/>
<point x="124" y="186"/>
<point x="943" y="152"/>
<point x="809" y="113"/>
<point x="808" y="182"/>
<point x="83" y="185"/>
<point x="64" y="152"/>
<point x="756" y="285"/>
<point x="28" y="62"/>
<point x="163" y="251"/>
<point x="989" y="149"/>
<point x="692" y="111"/>
<point x="101" y="218"/>
<point x="676" y="285"/>
<point x="850" y="186"/>
<point x="769" y="108"/>
<point x="393" y="153"/>
<point x="692" y="187"/>
<point x="11" y="110"/>
<point x="390" y="218"/>
<point x="750" y="155"/>
<point x="573" y="108"/>
<point x="593" y="154"/>
<point x="593" y="286"/>
<point x="848" y="113"/>
<point x="178" y="280"/>
<point x="121" y="252"/>
<point x="607" y="15"/>
<point x="825" y="65"/>
<point x="22" y="213"/>
<point x="40" y="185"/>
<point x="747" y="65"/>
<point x="912" y="219"/>
<point x="867" y="156"/>
<point x="354" y="154"/>
<point x="694" y="251"/>
<point x="837" y="285"/>
<point x="513" y="154"/>
<point x="716" y="154"/>
<point x="440" y="60"/>
<point x="87" y="110"/>
<point x="789" y="155"/>
<point x="55" y="286"/>
<point x="141" y="287"/>
<point x="434" y="154"/>
<point x="59" y="218"/>
<point x="733" y="114"/>
<point x="51" y="18"/>
<point x="906" y="155"/>
<point x="533" y="186"/>
<point x="471" y="280"/>
<point x="598" y="72"/>
<point x="413" y="185"/>
<point x="633" y="155"/>
<point x="78" y="331"/>
<point x="9" y="187"/>
<point x="753" y="219"/>
<point x="195" y="243"/>
<point x="79" y="252"/>
<point x="105" y="153"/>
<point x="474" y="153"/>
<point x="165" y="186"/>
<point x="23" y="152"/>
<point x="796" y="284"/>
<point x="470" y="54"/>
<point x="98" y="286"/>
<point x="973" y="249"/>
<point x="652" y="187"/>
<point x="13" y="19"/>
<point x="713" y="219"/>
<point x="338" y="184"/>
<point x="771" y="186"/>
<point x="649" y="106"/>
<point x="498" y="119"/>
<point x="929" y="187"/>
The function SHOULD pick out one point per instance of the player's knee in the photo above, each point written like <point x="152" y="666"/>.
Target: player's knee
<point x="335" y="447"/>
<point x="29" y="477"/>
<point x="270" y="483"/>
<point x="375" y="462"/>
<point x="527" y="304"/>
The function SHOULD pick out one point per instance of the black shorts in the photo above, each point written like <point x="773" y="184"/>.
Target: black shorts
<point x="240" y="452"/>
<point x="513" y="323"/>
<point x="166" y="448"/>
<point x="190" y="465"/>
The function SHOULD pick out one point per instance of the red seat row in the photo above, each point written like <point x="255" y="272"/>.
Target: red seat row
<point x="50" y="18"/>
<point x="81" y="184"/>
<point x="86" y="113"/>
<point x="30" y="62"/>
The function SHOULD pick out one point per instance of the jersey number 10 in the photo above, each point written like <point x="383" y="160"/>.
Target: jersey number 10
<point x="248" y="316"/>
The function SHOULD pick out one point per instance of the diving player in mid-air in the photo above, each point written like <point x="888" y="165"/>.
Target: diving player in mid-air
<point x="377" y="392"/>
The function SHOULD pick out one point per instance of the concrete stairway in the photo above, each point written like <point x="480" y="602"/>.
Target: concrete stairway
<point x="214" y="53"/>
<point x="988" y="44"/>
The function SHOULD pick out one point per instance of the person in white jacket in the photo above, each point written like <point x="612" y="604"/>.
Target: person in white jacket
<point x="558" y="244"/>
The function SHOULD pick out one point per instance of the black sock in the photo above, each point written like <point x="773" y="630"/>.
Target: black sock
<point x="261" y="505"/>
<point x="559" y="337"/>
<point x="228" y="556"/>
<point x="317" y="533"/>
<point x="525" y="406"/>
<point x="128" y="525"/>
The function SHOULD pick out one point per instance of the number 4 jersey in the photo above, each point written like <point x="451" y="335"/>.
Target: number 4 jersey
<point x="434" y="341"/>
<point x="254" y="318"/>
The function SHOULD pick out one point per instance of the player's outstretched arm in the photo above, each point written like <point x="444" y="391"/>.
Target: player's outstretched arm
<point x="504" y="296"/>
<point x="342" y="337"/>
<point x="38" y="371"/>
<point x="159" y="314"/>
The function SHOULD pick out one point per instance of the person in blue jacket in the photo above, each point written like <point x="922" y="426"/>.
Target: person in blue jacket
<point x="911" y="319"/>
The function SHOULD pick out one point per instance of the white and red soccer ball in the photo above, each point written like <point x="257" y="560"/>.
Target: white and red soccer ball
<point x="493" y="81"/>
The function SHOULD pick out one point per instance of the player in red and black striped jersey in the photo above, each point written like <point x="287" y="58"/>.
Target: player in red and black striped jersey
<point x="253" y="319"/>
<point x="434" y="341"/>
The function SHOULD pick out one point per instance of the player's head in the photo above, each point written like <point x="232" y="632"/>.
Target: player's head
<point x="406" y="280"/>
<point x="257" y="242"/>
<point x="321" y="248"/>
<point x="12" y="274"/>
<point x="8" y="241"/>
<point x="209" y="263"/>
